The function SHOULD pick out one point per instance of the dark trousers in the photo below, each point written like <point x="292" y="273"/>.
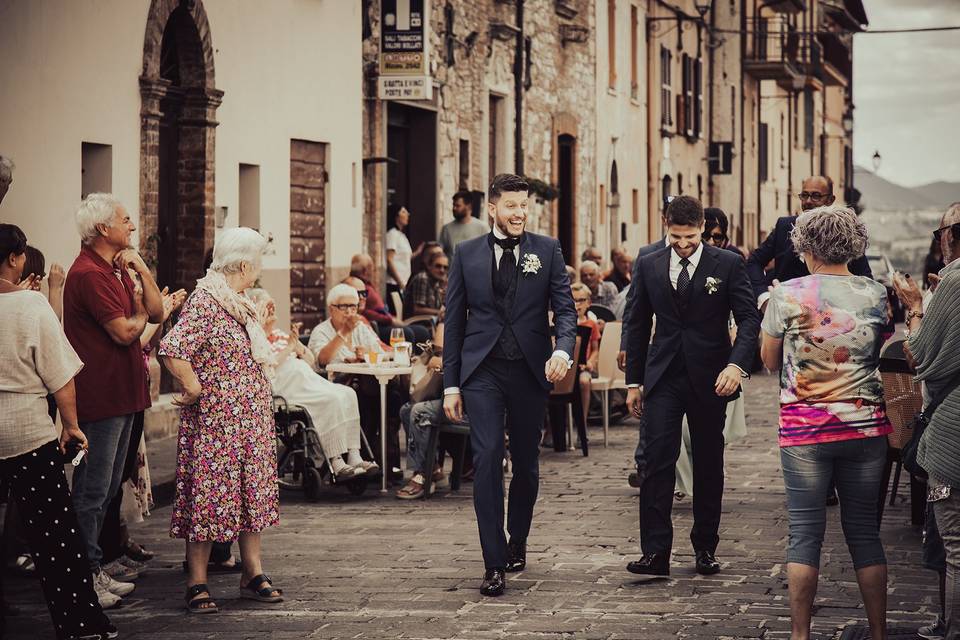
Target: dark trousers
<point x="660" y="436"/>
<point x="39" y="487"/>
<point x="504" y="393"/>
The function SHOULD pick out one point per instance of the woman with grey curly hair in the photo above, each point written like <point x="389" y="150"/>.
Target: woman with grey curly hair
<point x="824" y="332"/>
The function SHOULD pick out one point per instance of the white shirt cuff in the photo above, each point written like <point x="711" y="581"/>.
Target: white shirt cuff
<point x="451" y="391"/>
<point x="763" y="299"/>
<point x="559" y="353"/>
<point x="743" y="374"/>
<point x="633" y="386"/>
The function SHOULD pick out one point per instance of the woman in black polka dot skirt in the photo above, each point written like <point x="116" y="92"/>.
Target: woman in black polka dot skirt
<point x="38" y="359"/>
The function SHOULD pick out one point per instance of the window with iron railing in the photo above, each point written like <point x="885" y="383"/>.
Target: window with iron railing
<point x="666" y="88"/>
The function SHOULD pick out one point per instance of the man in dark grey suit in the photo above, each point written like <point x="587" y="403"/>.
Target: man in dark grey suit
<point x="498" y="363"/>
<point x="691" y="370"/>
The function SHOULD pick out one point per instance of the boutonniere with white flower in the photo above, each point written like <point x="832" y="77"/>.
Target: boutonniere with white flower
<point x="712" y="285"/>
<point x="531" y="264"/>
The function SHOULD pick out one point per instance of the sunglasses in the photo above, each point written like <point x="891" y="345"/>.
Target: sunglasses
<point x="716" y="237"/>
<point x="362" y="294"/>
<point x="812" y="195"/>
<point x="441" y="267"/>
<point x="346" y="307"/>
<point x="955" y="229"/>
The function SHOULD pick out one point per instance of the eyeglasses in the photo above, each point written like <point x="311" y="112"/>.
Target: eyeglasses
<point x="716" y="237"/>
<point x="441" y="267"/>
<point x="579" y="300"/>
<point x="955" y="230"/>
<point x="346" y="307"/>
<point x="812" y="195"/>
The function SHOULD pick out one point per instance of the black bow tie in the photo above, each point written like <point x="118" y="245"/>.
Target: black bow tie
<point x="507" y="244"/>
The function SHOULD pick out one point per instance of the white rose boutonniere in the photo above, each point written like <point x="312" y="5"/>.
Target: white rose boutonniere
<point x="712" y="285"/>
<point x="531" y="263"/>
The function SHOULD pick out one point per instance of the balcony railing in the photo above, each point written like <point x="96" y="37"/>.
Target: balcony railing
<point x="776" y="50"/>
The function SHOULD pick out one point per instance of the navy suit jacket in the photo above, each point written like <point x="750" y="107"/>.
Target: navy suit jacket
<point x="787" y="264"/>
<point x="699" y="331"/>
<point x="653" y="247"/>
<point x="472" y="324"/>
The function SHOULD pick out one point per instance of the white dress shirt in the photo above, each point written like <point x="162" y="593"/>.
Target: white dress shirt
<point x="497" y="254"/>
<point x="691" y="268"/>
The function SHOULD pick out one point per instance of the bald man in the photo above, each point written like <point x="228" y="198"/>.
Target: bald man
<point x="816" y="191"/>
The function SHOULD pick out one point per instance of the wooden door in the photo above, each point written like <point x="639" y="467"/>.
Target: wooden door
<point x="308" y="256"/>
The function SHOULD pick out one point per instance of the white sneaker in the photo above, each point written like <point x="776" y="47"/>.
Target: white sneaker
<point x="107" y="599"/>
<point x="120" y="572"/>
<point x="116" y="588"/>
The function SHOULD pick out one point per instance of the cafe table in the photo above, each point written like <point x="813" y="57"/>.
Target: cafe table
<point x="384" y="372"/>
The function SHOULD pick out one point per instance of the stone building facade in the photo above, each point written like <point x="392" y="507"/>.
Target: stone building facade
<point x="419" y="153"/>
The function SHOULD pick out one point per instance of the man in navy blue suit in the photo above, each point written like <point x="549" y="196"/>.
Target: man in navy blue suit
<point x="689" y="369"/>
<point x="499" y="364"/>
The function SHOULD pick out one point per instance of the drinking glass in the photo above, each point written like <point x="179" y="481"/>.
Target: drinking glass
<point x="396" y="336"/>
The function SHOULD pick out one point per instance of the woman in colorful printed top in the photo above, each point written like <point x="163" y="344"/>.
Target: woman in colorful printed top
<point x="824" y="331"/>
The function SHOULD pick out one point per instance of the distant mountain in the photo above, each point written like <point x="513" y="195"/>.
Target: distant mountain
<point x="882" y="195"/>
<point x="943" y="193"/>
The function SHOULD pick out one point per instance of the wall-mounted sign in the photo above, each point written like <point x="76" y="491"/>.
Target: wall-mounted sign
<point x="405" y="50"/>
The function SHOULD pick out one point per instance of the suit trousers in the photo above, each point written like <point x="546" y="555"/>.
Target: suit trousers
<point x="661" y="430"/>
<point x="504" y="393"/>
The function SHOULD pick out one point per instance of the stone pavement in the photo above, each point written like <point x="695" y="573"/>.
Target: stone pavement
<point x="376" y="567"/>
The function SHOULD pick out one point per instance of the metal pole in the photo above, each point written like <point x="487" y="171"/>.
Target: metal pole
<point x="385" y="470"/>
<point x="518" y="62"/>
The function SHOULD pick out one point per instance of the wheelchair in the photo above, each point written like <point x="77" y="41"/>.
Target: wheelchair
<point x="301" y="458"/>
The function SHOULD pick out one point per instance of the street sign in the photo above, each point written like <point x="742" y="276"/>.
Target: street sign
<point x="405" y="50"/>
<point x="405" y="88"/>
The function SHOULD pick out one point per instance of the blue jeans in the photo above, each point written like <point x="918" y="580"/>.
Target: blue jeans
<point x="97" y="479"/>
<point x="856" y="466"/>
<point x="415" y="418"/>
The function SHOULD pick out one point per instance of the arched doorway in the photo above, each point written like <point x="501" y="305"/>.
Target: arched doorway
<point x="177" y="131"/>
<point x="565" y="171"/>
<point x="613" y="204"/>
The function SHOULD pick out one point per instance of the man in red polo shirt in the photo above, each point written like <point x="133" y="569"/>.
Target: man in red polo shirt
<point x="103" y="317"/>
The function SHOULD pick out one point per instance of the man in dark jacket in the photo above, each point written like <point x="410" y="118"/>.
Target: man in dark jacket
<point x="816" y="191"/>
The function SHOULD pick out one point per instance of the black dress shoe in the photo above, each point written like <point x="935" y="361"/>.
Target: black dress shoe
<point x="494" y="582"/>
<point x="516" y="556"/>
<point x="651" y="564"/>
<point x="707" y="563"/>
<point x="634" y="480"/>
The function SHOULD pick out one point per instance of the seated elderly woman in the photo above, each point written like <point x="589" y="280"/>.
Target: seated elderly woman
<point x="226" y="482"/>
<point x="824" y="331"/>
<point x="332" y="407"/>
<point x="344" y="337"/>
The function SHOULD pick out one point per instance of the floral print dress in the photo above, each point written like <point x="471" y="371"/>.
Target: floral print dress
<point x="226" y="479"/>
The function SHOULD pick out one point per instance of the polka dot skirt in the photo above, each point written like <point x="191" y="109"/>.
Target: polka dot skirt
<point x="39" y="487"/>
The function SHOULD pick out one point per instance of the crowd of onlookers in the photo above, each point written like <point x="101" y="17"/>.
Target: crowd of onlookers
<point x="80" y="354"/>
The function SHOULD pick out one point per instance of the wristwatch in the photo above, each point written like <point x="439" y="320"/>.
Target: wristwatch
<point x="914" y="314"/>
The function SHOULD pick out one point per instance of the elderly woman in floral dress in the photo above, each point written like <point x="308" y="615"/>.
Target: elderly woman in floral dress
<point x="226" y="455"/>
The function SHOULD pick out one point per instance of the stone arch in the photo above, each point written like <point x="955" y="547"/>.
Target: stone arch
<point x="178" y="103"/>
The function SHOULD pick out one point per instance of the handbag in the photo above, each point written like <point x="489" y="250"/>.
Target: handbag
<point x="425" y="383"/>
<point x="919" y="424"/>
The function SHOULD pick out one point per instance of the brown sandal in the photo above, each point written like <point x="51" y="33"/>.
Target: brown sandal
<point x="197" y="605"/>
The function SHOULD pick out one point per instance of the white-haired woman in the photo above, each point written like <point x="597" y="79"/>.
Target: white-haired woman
<point x="332" y="407"/>
<point x="344" y="337"/>
<point x="226" y="455"/>
<point x="826" y="330"/>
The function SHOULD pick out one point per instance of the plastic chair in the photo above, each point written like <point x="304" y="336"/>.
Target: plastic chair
<point x="610" y="377"/>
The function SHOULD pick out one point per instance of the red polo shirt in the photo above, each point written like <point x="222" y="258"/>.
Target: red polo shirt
<point x="112" y="382"/>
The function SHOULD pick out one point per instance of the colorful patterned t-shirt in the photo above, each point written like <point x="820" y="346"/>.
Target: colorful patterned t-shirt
<point x="832" y="329"/>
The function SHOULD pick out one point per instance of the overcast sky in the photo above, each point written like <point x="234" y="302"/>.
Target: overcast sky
<point x="907" y="92"/>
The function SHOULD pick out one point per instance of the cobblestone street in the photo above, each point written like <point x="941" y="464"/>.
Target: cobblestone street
<point x="377" y="567"/>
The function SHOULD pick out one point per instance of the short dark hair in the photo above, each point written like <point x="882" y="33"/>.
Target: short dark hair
<point x="685" y="211"/>
<point x="12" y="241"/>
<point x="506" y="182"/>
<point x="392" y="211"/>
<point x="433" y="257"/>
<point x="464" y="195"/>
<point x="35" y="262"/>
<point x="715" y="217"/>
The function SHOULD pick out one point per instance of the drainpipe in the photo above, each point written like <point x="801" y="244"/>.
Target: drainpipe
<point x="710" y="59"/>
<point x="518" y="93"/>
<point x="743" y="119"/>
